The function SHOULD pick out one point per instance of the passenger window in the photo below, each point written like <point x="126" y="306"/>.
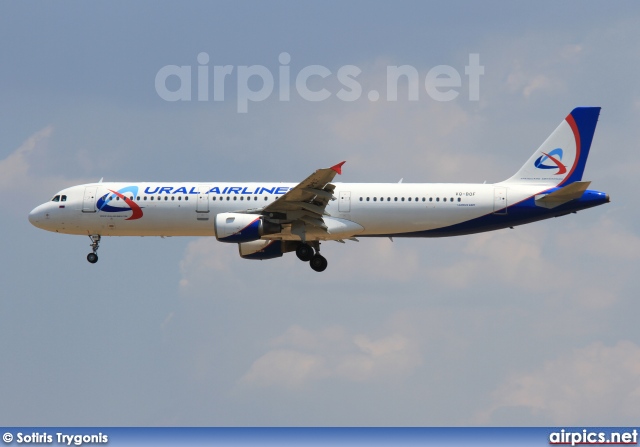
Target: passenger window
<point x="361" y="199"/>
<point x="138" y="198"/>
<point x="395" y="199"/>
<point x="186" y="198"/>
<point x="151" y="197"/>
<point x="458" y="199"/>
<point x="402" y="199"/>
<point x="409" y="199"/>
<point x="437" y="199"/>
<point x="375" y="199"/>
<point x="166" y="198"/>
<point x="145" y="197"/>
<point x="173" y="197"/>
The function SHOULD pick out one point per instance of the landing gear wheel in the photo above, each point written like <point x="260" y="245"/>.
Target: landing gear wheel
<point x="304" y="252"/>
<point x="318" y="263"/>
<point x="95" y="244"/>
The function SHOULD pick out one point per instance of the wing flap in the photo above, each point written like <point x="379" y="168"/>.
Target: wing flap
<point x="312" y="194"/>
<point x="302" y="209"/>
<point x="320" y="192"/>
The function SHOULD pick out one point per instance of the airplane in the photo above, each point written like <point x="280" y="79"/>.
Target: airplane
<point x="267" y="220"/>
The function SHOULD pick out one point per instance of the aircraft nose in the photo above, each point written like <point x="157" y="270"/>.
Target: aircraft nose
<point x="36" y="216"/>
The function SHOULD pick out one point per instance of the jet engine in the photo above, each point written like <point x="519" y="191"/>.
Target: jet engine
<point x="263" y="249"/>
<point x="236" y="227"/>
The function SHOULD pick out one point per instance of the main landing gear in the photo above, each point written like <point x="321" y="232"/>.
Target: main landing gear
<point x="307" y="253"/>
<point x="95" y="244"/>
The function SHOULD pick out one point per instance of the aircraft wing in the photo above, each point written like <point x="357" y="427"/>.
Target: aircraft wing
<point x="306" y="201"/>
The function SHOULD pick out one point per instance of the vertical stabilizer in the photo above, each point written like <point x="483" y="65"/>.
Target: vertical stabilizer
<point x="562" y="157"/>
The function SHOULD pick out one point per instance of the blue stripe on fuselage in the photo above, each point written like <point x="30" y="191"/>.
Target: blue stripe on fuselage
<point x="518" y="214"/>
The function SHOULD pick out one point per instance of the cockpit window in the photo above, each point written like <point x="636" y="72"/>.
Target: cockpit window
<point x="63" y="198"/>
<point x="56" y="199"/>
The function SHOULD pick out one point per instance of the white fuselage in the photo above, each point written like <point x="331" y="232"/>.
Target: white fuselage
<point x="188" y="209"/>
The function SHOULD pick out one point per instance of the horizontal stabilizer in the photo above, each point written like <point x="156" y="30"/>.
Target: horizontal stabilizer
<point x="563" y="195"/>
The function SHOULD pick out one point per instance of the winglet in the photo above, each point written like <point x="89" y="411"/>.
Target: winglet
<point x="338" y="167"/>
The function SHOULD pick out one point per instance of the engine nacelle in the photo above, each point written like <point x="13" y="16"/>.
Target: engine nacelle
<point x="263" y="249"/>
<point x="236" y="227"/>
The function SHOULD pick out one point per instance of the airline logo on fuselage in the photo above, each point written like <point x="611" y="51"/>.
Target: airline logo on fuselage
<point x="555" y="156"/>
<point x="104" y="202"/>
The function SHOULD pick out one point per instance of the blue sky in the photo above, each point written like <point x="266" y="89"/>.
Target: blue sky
<point x="532" y="326"/>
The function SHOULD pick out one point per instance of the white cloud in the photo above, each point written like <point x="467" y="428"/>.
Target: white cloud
<point x="606" y="238"/>
<point x="208" y="263"/>
<point x="539" y="82"/>
<point x="16" y="173"/>
<point x="300" y="357"/>
<point x="203" y="257"/>
<point x="543" y="71"/>
<point x="595" y="385"/>
<point x="14" y="170"/>
<point x="286" y="368"/>
<point x="508" y="258"/>
<point x="528" y="82"/>
<point x="377" y="259"/>
<point x="422" y="141"/>
<point x="563" y="259"/>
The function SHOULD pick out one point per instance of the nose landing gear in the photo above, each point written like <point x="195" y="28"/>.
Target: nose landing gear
<point x="95" y="244"/>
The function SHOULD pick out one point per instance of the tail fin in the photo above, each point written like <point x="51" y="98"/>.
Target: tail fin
<point x="562" y="157"/>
